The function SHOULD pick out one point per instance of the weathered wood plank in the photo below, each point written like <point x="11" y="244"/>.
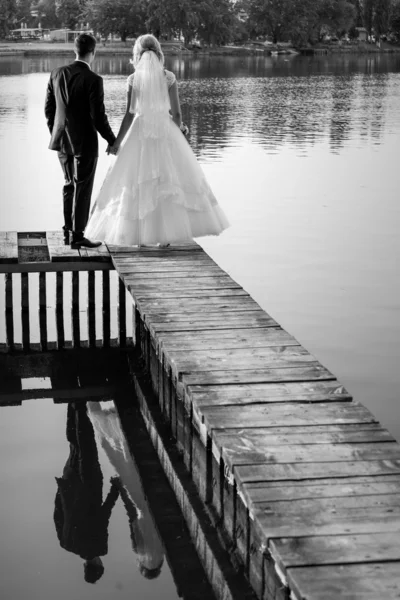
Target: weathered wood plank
<point x="58" y="250"/>
<point x="9" y="310"/>
<point x="177" y="283"/>
<point x="60" y="309"/>
<point x="338" y="549"/>
<point x="91" y="309"/>
<point x="121" y="313"/>
<point x="278" y="415"/>
<point x="43" y="311"/>
<point x="106" y="309"/>
<point x="227" y="339"/>
<point x="372" y="581"/>
<point x="8" y="247"/>
<point x="162" y="293"/>
<point x="242" y="450"/>
<point x="325" y="434"/>
<point x="313" y="372"/>
<point x="99" y="254"/>
<point x="156" y="250"/>
<point x="276" y="491"/>
<point x="298" y="471"/>
<point x="76" y="332"/>
<point x="241" y="359"/>
<point x="196" y="305"/>
<point x="236" y="320"/>
<point x="309" y="391"/>
<point x="330" y="516"/>
<point x="56" y="267"/>
<point x="204" y="269"/>
<point x="25" y="311"/>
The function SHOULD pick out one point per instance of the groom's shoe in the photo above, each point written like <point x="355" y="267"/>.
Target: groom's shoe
<point x="79" y="241"/>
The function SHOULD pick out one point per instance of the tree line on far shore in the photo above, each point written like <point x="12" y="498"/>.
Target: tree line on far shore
<point x="211" y="22"/>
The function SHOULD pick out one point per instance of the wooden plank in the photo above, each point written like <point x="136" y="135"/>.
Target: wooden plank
<point x="55" y="267"/>
<point x="91" y="309"/>
<point x="312" y="372"/>
<point x="121" y="313"/>
<point x="325" y="434"/>
<point x="154" y="250"/>
<point x="277" y="491"/>
<point x="278" y="415"/>
<point x="203" y="269"/>
<point x="242" y="359"/>
<point x="99" y="254"/>
<point x="25" y="311"/>
<point x="179" y="283"/>
<point x="179" y="305"/>
<point x="298" y="471"/>
<point x="9" y="310"/>
<point x="236" y="338"/>
<point x="43" y="311"/>
<point x="338" y="549"/>
<point x="237" y="320"/>
<point x="58" y="250"/>
<point x="162" y="293"/>
<point x="372" y="581"/>
<point x="8" y="247"/>
<point x="242" y="450"/>
<point x="308" y="391"/>
<point x="330" y="516"/>
<point x="76" y="334"/>
<point x="106" y="309"/>
<point x="60" y="309"/>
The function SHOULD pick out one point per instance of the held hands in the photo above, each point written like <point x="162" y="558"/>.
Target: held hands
<point x="113" y="149"/>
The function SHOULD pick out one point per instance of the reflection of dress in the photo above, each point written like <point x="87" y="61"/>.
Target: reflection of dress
<point x="145" y="539"/>
<point x="80" y="516"/>
<point x="155" y="191"/>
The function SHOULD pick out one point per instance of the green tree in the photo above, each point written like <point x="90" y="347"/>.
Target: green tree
<point x="8" y="13"/>
<point x="173" y="18"/>
<point x="23" y="11"/>
<point x="69" y="12"/>
<point x="382" y="17"/>
<point x="121" y="17"/>
<point x="218" y="21"/>
<point x="395" y="20"/>
<point x="47" y="13"/>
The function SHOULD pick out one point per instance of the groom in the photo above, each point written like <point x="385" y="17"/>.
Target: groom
<point x="75" y="112"/>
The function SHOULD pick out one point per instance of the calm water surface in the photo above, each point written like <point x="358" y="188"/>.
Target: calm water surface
<point x="303" y="156"/>
<point x="48" y="483"/>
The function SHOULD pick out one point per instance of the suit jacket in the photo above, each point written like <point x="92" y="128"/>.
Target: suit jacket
<point x="75" y="110"/>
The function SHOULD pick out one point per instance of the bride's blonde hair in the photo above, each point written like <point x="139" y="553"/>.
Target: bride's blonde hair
<point x="146" y="43"/>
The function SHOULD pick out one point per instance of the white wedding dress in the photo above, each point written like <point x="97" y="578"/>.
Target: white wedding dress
<point x="155" y="191"/>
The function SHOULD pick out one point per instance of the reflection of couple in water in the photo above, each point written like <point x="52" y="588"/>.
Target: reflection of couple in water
<point x="81" y="517"/>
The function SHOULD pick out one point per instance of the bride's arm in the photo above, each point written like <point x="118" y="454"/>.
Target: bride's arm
<point x="126" y="121"/>
<point x="175" y="104"/>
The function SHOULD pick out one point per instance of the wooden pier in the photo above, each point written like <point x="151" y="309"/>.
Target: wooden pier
<point x="302" y="481"/>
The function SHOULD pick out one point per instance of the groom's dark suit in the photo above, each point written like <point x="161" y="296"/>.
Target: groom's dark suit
<point x="75" y="112"/>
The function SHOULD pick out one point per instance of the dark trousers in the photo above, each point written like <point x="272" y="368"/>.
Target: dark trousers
<point x="79" y="174"/>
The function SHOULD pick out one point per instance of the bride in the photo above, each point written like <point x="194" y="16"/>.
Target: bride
<point x="155" y="192"/>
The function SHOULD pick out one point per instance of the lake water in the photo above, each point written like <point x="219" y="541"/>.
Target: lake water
<point x="67" y="464"/>
<point x="302" y="155"/>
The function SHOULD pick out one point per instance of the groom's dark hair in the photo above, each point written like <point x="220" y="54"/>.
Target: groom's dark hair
<point x="84" y="44"/>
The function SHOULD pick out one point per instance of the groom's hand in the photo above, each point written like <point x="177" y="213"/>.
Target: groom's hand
<point x="112" y="149"/>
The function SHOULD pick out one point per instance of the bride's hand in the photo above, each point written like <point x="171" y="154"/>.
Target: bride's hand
<point x="113" y="149"/>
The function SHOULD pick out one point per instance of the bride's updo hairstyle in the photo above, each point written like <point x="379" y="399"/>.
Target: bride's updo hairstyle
<point x="146" y="43"/>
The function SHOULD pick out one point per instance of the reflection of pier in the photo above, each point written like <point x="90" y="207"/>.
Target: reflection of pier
<point x="301" y="480"/>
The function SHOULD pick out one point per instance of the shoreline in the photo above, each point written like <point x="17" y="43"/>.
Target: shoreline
<point x="63" y="49"/>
